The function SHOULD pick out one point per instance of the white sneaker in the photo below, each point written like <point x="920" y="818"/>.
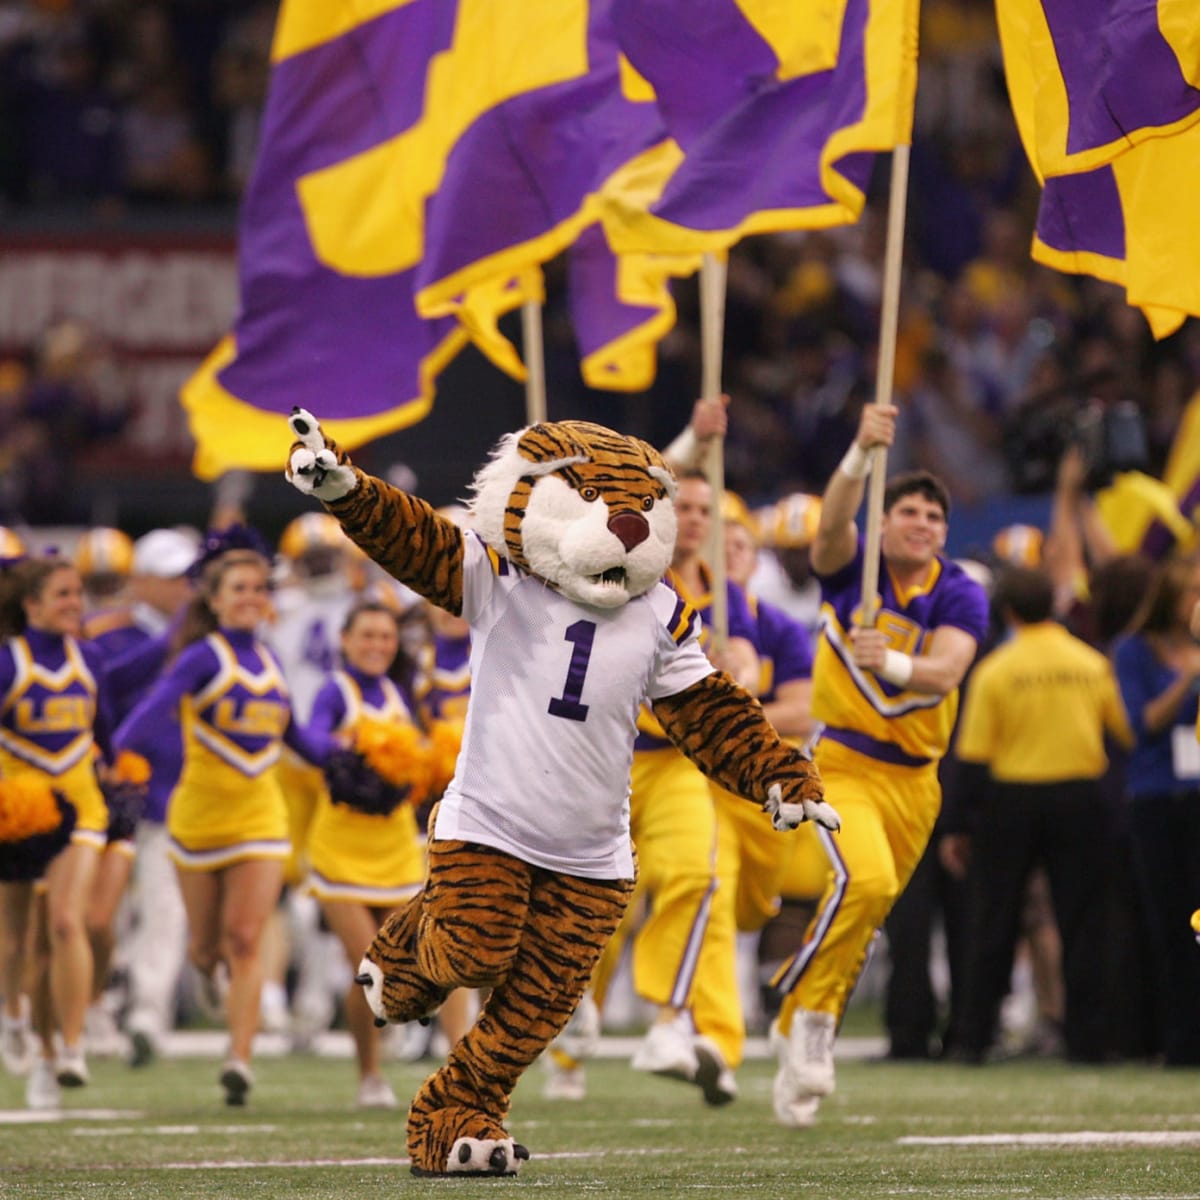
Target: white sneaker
<point x="411" y="1041"/>
<point x="70" y="1067"/>
<point x="18" y="1046"/>
<point x="42" y="1092"/>
<point x="581" y="1037"/>
<point x="211" y="992"/>
<point x="794" y="1108"/>
<point x="713" y="1074"/>
<point x="237" y="1079"/>
<point x="668" y="1050"/>
<point x="101" y="1035"/>
<point x="565" y="1078"/>
<point x="376" y="1092"/>
<point x="810" y="1051"/>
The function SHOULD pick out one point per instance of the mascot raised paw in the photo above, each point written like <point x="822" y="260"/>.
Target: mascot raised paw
<point x="530" y="865"/>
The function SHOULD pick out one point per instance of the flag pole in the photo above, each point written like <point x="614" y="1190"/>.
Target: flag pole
<point x="713" y="271"/>
<point x="535" y="362"/>
<point x="884" y="378"/>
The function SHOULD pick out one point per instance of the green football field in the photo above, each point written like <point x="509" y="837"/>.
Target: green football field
<point x="1016" y="1129"/>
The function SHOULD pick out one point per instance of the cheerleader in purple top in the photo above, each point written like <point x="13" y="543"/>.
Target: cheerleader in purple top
<point x="52" y="719"/>
<point x="365" y="861"/>
<point x="226" y="821"/>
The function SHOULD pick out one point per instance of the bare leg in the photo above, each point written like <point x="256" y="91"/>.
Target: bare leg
<point x="112" y="877"/>
<point x="16" y="904"/>
<point x="70" y="878"/>
<point x="355" y="926"/>
<point x="249" y="893"/>
<point x="201" y="894"/>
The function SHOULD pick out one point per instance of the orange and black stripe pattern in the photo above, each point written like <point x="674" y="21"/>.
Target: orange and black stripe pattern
<point x="487" y="919"/>
<point x="617" y="467"/>
<point x="722" y="729"/>
<point x="407" y="538"/>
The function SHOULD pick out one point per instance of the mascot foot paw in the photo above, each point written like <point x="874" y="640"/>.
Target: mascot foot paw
<point x="482" y="1156"/>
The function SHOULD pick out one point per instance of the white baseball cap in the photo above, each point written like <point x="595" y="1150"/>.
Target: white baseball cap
<point x="164" y="553"/>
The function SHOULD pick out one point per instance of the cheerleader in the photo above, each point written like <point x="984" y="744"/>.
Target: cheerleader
<point x="365" y="853"/>
<point x="52" y="719"/>
<point x="226" y="818"/>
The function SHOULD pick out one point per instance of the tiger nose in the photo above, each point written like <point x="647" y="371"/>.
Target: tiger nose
<point x="631" y="528"/>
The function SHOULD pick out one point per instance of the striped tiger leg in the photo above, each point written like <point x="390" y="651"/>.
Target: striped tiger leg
<point x="402" y="992"/>
<point x="570" y="921"/>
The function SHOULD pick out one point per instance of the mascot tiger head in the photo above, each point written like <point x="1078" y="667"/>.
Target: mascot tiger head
<point x="588" y="510"/>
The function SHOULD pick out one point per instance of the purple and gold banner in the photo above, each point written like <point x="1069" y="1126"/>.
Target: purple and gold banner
<point x="778" y="113"/>
<point x="1106" y="94"/>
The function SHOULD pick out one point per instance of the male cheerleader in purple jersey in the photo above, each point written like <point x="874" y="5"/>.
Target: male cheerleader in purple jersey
<point x="886" y="695"/>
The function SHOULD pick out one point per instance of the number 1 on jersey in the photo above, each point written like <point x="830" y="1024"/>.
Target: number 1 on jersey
<point x="569" y="705"/>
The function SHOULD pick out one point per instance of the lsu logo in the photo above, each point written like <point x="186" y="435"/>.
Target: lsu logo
<point x="55" y="714"/>
<point x="251" y="718"/>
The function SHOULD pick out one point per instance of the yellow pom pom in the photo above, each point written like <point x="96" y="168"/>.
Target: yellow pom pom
<point x="1196" y="922"/>
<point x="397" y="752"/>
<point x="445" y="741"/>
<point x="131" y="768"/>
<point x="27" y="808"/>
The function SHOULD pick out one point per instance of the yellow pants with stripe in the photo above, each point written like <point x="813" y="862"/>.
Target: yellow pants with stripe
<point x="684" y="954"/>
<point x="887" y="815"/>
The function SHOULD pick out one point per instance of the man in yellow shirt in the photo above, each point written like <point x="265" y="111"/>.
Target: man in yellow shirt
<point x="1034" y="720"/>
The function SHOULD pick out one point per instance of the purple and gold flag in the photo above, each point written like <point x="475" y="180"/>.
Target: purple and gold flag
<point x="1106" y="94"/>
<point x="419" y="159"/>
<point x="345" y="343"/>
<point x="778" y="110"/>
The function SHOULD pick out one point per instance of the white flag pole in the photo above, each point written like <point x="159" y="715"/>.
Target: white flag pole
<point x="885" y="377"/>
<point x="535" y="362"/>
<point x="713" y="271"/>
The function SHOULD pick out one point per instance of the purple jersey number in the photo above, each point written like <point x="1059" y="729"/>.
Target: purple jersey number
<point x="568" y="705"/>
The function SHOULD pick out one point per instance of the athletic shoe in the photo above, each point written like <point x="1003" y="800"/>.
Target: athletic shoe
<point x="376" y="1092"/>
<point x="70" y="1067"/>
<point x="713" y="1074"/>
<point x="565" y="1078"/>
<point x="211" y="993"/>
<point x="668" y="1049"/>
<point x="794" y="1108"/>
<point x="237" y="1079"/>
<point x="101" y="1036"/>
<point x="18" y="1046"/>
<point x="810" y="1051"/>
<point x="42" y="1090"/>
<point x="581" y="1037"/>
<point x="142" y="1051"/>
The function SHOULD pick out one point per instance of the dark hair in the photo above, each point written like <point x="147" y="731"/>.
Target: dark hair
<point x="1157" y="612"/>
<point x="369" y="606"/>
<point x="1116" y="589"/>
<point x="23" y="581"/>
<point x="199" y="620"/>
<point x="917" y="483"/>
<point x="1026" y="592"/>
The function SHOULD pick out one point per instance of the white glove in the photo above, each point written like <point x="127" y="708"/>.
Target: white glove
<point x="313" y="468"/>
<point x="786" y="815"/>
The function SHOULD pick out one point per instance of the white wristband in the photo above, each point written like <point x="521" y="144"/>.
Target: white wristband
<point x="897" y="667"/>
<point x="856" y="463"/>
<point x="683" y="454"/>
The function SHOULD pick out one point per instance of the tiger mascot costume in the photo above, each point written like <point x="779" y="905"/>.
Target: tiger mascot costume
<point x="530" y="861"/>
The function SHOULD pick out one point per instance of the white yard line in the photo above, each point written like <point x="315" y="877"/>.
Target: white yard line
<point x="1114" y="1138"/>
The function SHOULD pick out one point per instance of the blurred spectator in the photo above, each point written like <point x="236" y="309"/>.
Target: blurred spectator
<point x="1158" y="667"/>
<point x="75" y="397"/>
<point x="67" y="118"/>
<point x="1033" y="724"/>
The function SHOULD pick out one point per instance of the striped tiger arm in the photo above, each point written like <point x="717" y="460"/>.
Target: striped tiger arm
<point x="404" y="535"/>
<point x="721" y="728"/>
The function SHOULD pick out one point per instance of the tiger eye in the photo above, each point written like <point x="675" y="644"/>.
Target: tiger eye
<point x="647" y="503"/>
<point x="589" y="493"/>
